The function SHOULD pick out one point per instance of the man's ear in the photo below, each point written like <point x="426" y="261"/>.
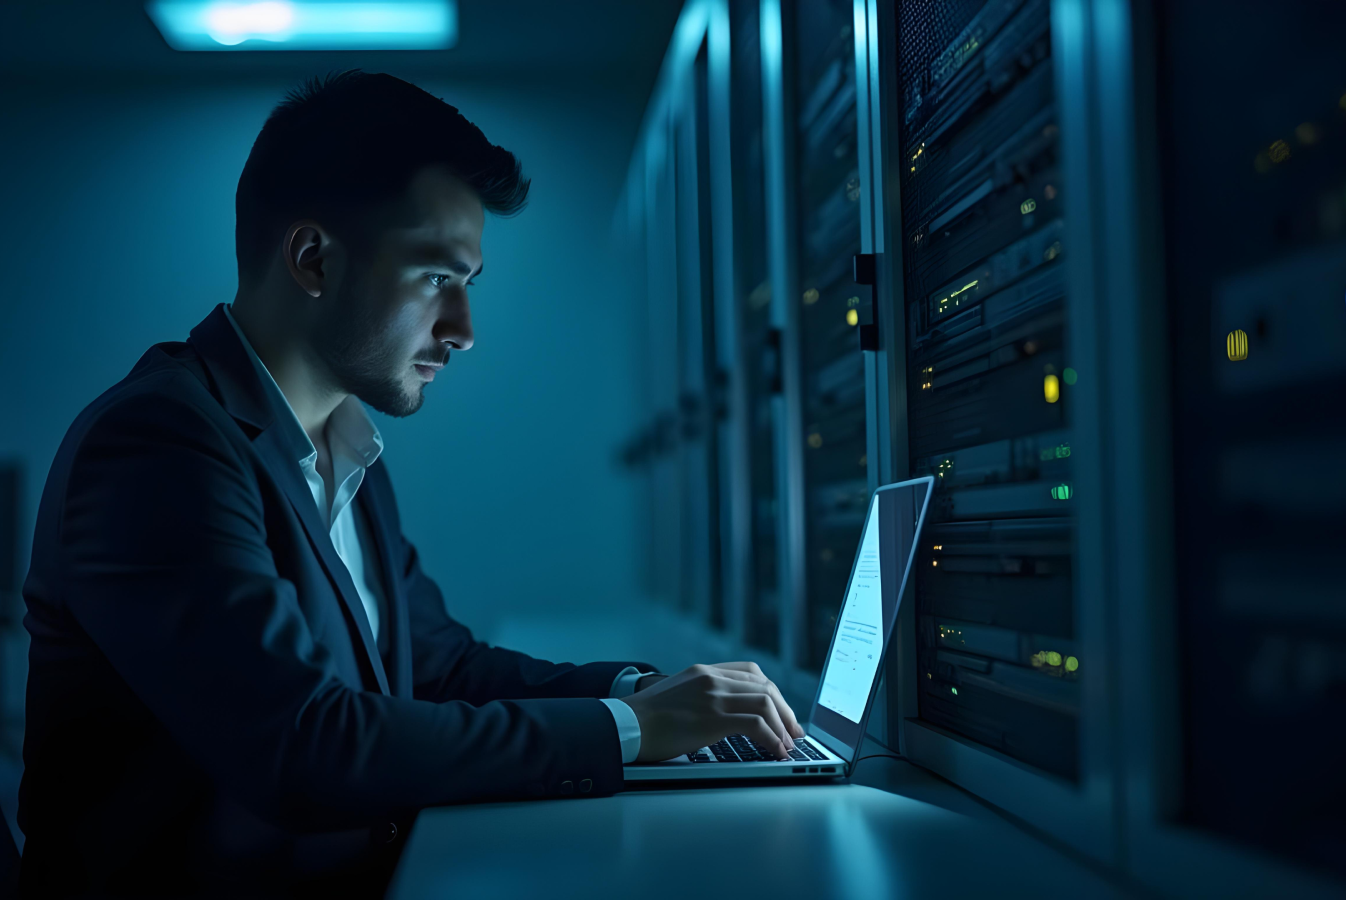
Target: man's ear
<point x="308" y="249"/>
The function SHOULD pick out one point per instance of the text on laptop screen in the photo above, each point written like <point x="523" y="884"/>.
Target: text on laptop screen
<point x="857" y="648"/>
<point x="869" y="608"/>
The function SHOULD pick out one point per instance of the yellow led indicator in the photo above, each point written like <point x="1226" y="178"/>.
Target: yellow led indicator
<point x="1280" y="151"/>
<point x="810" y="296"/>
<point x="1053" y="658"/>
<point x="951" y="300"/>
<point x="934" y="562"/>
<point x="1051" y="388"/>
<point x="1028" y="206"/>
<point x="1072" y="664"/>
<point x="1236" y="345"/>
<point x="852" y="317"/>
<point x="815" y="440"/>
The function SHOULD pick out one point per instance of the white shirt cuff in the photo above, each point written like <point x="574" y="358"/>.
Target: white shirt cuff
<point x="628" y="728"/>
<point x="624" y="685"/>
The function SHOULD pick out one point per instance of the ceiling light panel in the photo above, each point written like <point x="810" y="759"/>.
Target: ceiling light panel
<point x="299" y="25"/>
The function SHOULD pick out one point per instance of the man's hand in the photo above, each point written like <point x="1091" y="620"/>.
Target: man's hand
<point x="649" y="680"/>
<point x="700" y="705"/>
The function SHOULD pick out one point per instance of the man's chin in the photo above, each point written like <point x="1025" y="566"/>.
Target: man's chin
<point x="398" y="403"/>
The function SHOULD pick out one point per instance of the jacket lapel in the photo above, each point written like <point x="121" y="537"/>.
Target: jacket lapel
<point x="378" y="511"/>
<point x="244" y="397"/>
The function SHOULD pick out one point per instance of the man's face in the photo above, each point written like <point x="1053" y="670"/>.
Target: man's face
<point x="403" y="307"/>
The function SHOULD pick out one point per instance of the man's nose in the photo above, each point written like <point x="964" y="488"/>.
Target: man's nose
<point x="454" y="326"/>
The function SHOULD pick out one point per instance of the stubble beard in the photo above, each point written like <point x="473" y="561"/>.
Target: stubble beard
<point x="353" y="344"/>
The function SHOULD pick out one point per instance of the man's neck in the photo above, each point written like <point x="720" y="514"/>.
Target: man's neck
<point x="293" y="367"/>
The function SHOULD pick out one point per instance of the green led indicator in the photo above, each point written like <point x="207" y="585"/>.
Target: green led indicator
<point x="1061" y="492"/>
<point x="1070" y="376"/>
<point x="955" y="691"/>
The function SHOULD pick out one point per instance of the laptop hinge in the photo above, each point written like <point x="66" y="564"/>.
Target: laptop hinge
<point x="836" y="745"/>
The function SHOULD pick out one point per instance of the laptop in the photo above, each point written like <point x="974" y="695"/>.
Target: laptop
<point x="850" y="678"/>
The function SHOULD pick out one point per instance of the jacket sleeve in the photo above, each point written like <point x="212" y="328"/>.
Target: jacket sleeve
<point x="165" y="565"/>
<point x="448" y="663"/>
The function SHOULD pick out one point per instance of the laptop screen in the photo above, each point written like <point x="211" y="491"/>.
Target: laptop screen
<point x="869" y="609"/>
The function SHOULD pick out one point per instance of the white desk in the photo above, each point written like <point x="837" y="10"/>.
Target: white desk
<point x="802" y="841"/>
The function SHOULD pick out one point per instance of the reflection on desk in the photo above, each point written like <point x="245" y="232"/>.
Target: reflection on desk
<point x="825" y="841"/>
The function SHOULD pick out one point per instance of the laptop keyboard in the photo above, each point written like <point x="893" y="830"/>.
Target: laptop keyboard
<point x="738" y="748"/>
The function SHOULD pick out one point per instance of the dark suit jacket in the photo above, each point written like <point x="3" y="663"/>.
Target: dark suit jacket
<point x="206" y="704"/>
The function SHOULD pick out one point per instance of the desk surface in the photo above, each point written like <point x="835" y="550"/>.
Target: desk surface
<point x="828" y="840"/>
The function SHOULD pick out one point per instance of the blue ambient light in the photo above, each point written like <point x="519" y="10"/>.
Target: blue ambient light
<point x="299" y="25"/>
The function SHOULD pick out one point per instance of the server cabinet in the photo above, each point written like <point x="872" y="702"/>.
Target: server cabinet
<point x="999" y="673"/>
<point x="758" y="351"/>
<point x="701" y="381"/>
<point x="746" y="190"/>
<point x="989" y="386"/>
<point x="683" y="451"/>
<point x="655" y="451"/>
<point x="830" y="401"/>
<point x="1255" y="189"/>
<point x="1181" y="228"/>
<point x="1228" y="363"/>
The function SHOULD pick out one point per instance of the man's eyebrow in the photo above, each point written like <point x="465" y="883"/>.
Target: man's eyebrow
<point x="437" y="256"/>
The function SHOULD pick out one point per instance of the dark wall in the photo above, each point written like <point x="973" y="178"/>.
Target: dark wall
<point x="118" y="233"/>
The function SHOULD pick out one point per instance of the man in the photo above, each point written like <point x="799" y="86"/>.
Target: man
<point x="240" y="678"/>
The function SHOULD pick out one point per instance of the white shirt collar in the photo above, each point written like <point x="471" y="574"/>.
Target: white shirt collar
<point x="349" y="426"/>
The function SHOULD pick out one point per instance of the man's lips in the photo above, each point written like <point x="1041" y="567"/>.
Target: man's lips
<point x="428" y="370"/>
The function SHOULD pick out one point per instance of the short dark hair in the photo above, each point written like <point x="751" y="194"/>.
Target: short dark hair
<point x="343" y="145"/>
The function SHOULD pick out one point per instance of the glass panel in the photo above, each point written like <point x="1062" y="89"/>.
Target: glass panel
<point x="988" y="376"/>
<point x="827" y="196"/>
<point x="1255" y="197"/>
<point x="760" y="339"/>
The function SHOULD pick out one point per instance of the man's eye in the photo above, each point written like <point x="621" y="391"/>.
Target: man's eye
<point x="438" y="280"/>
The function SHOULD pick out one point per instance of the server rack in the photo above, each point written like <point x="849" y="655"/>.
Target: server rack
<point x="989" y="384"/>
<point x="758" y="352"/>
<point x="1256" y="215"/>
<point x="768" y="426"/>
<point x="701" y="384"/>
<point x="1229" y="720"/>
<point x="831" y="384"/>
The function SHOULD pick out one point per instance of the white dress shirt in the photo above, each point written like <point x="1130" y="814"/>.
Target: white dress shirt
<point x="354" y="443"/>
